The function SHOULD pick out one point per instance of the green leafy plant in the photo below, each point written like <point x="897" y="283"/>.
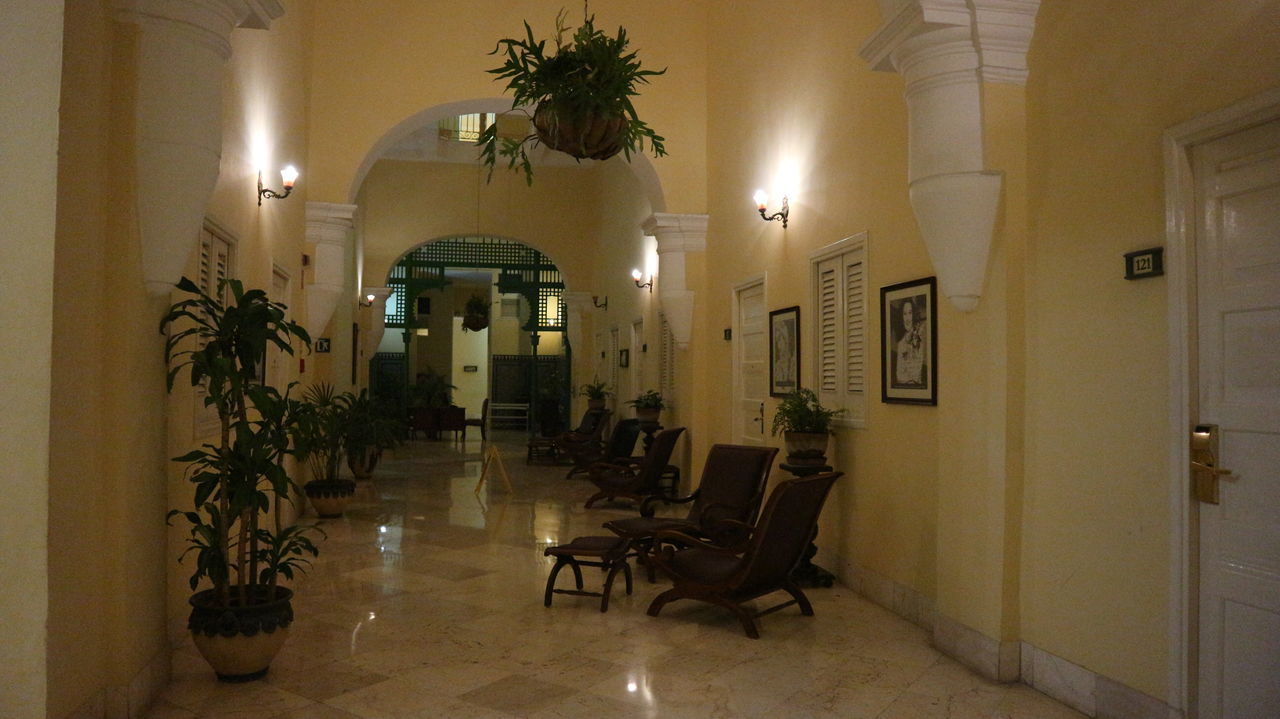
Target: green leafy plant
<point x="240" y="479"/>
<point x="581" y="94"/>
<point x="431" y="390"/>
<point x="801" y="411"/>
<point x="475" y="314"/>
<point x="648" y="399"/>
<point x="371" y="424"/>
<point x="596" y="389"/>
<point x="321" y="432"/>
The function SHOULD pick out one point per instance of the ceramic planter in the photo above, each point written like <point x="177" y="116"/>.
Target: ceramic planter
<point x="362" y="462"/>
<point x="806" y="448"/>
<point x="648" y="414"/>
<point x="595" y="403"/>
<point x="239" y="642"/>
<point x="330" y="496"/>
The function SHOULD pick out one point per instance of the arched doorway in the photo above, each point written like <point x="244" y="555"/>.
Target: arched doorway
<point x="476" y="318"/>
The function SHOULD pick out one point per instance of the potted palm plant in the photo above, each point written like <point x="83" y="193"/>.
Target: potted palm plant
<point x="805" y="425"/>
<point x="581" y="94"/>
<point x="371" y="427"/>
<point x="648" y="404"/>
<point x="596" y="393"/>
<point x="320" y="436"/>
<point x="241" y="542"/>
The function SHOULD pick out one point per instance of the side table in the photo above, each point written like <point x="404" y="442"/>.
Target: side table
<point x="807" y="573"/>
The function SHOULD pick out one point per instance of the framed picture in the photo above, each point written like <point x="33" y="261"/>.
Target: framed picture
<point x="784" y="351"/>
<point x="624" y="358"/>
<point x="909" y="342"/>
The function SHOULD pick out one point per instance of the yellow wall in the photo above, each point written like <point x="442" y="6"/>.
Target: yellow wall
<point x="845" y="137"/>
<point x="1106" y="80"/>
<point x="415" y="55"/>
<point x="31" y="52"/>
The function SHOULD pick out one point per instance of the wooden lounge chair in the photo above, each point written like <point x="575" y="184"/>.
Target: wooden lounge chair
<point x="733" y="483"/>
<point x="622" y="442"/>
<point x="631" y="480"/>
<point x="730" y="576"/>
<point x="589" y="429"/>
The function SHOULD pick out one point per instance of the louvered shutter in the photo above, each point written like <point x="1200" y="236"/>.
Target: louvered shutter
<point x="854" y="325"/>
<point x="839" y="277"/>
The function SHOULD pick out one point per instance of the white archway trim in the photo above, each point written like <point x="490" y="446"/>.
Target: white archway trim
<point x="677" y="236"/>
<point x="945" y="49"/>
<point x="329" y="226"/>
<point x="182" y="46"/>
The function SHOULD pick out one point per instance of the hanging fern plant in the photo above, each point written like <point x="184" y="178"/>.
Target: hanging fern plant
<point x="581" y="95"/>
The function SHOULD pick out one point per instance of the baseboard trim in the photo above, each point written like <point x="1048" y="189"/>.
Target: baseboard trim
<point x="1079" y="688"/>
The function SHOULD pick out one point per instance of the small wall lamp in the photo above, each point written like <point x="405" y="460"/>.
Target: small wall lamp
<point x="288" y="176"/>
<point x="636" y="275"/>
<point x="762" y="202"/>
<point x="595" y="302"/>
<point x="368" y="300"/>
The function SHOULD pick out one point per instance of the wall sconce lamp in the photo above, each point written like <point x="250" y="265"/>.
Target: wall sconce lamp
<point x="595" y="302"/>
<point x="368" y="300"/>
<point x="762" y="202"/>
<point x="288" y="176"/>
<point x="636" y="275"/>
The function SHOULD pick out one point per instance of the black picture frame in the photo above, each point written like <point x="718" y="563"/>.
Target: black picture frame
<point x="909" y="354"/>
<point x="784" y="351"/>
<point x="624" y="358"/>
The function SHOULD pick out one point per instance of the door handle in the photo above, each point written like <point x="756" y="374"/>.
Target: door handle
<point x="1217" y="471"/>
<point x="1204" y="460"/>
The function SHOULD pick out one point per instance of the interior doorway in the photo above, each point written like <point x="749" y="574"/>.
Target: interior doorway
<point x="1225" y="300"/>
<point x="750" y="361"/>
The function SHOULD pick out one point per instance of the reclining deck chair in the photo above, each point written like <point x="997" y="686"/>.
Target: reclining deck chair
<point x="632" y="480"/>
<point x="588" y="430"/>
<point x="732" y="487"/>
<point x="616" y="451"/>
<point x="722" y="576"/>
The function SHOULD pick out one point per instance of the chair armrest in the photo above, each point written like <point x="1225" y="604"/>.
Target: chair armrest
<point x="609" y="467"/>
<point x="729" y="533"/>
<point x="647" y="509"/>
<point x="672" y="536"/>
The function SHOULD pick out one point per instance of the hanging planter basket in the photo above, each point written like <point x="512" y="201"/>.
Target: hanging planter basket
<point x="590" y="137"/>
<point x="475" y="323"/>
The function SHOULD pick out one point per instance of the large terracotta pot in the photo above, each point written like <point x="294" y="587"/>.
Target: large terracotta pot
<point x="239" y="642"/>
<point x="330" y="496"/>
<point x="596" y="137"/>
<point x="595" y="403"/>
<point x="806" y="448"/>
<point x="362" y="462"/>
<point x="648" y="414"/>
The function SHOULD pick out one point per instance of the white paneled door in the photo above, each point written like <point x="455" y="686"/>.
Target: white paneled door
<point x="1237" y="181"/>
<point x="751" y="363"/>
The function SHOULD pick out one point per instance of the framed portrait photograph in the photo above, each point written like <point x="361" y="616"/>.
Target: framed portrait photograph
<point x="909" y="342"/>
<point x="784" y="351"/>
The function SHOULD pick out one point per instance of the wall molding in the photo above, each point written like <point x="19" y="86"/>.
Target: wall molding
<point x="1084" y="690"/>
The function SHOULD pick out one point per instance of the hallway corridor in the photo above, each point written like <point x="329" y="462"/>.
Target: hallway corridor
<point x="427" y="602"/>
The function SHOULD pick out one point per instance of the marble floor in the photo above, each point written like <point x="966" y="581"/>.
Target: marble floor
<point x="426" y="601"/>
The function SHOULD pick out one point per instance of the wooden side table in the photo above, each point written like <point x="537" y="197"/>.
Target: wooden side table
<point x="807" y="573"/>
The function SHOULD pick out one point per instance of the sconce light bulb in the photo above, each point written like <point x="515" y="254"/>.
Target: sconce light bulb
<point x="762" y="199"/>
<point x="288" y="176"/>
<point x="635" y="275"/>
<point x="370" y="297"/>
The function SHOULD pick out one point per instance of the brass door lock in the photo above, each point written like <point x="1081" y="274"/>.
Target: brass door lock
<point x="1204" y="463"/>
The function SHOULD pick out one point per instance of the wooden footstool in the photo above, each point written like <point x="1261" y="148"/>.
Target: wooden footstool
<point x="606" y="552"/>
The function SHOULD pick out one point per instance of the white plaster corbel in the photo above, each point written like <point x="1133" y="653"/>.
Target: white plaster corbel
<point x="182" y="46"/>
<point x="677" y="236"/>
<point x="944" y="50"/>
<point x="576" y="306"/>
<point x="329" y="226"/>
<point x="378" y="316"/>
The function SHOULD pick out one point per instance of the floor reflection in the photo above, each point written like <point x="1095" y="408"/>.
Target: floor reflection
<point x="426" y="601"/>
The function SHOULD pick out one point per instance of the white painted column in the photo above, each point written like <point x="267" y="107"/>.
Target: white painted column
<point x="182" y="46"/>
<point x="577" y="305"/>
<point x="945" y="49"/>
<point x="329" y="227"/>
<point x="677" y="235"/>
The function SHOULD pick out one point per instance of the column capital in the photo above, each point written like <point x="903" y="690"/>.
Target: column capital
<point x="576" y="301"/>
<point x="676" y="232"/>
<point x="330" y="222"/>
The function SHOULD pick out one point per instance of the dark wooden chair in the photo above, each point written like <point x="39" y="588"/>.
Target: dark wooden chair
<point x="732" y="486"/>
<point x="729" y="576"/>
<point x="634" y="481"/>
<point x="622" y="442"/>
<point x="482" y="423"/>
<point x="453" y="419"/>
<point x="590" y="429"/>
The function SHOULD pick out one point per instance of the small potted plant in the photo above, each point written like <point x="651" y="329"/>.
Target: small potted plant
<point x="321" y="437"/>
<point x="241" y="543"/>
<point x="371" y="427"/>
<point x="596" y="393"/>
<point x="475" y="315"/>
<point x="581" y="95"/>
<point x="648" y="405"/>
<point x="805" y="425"/>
